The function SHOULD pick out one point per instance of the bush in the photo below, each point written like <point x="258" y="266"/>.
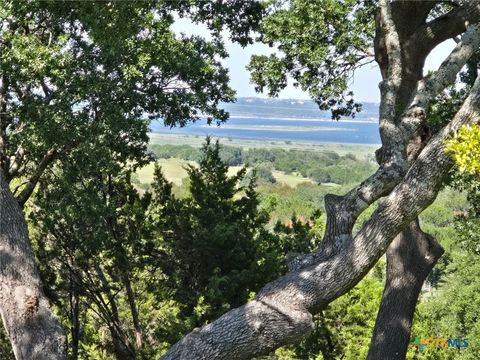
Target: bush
<point x="263" y="172"/>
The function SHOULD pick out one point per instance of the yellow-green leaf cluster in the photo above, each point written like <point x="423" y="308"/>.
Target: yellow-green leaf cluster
<point x="465" y="149"/>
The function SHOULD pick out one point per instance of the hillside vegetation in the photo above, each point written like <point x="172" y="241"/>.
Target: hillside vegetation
<point x="319" y="166"/>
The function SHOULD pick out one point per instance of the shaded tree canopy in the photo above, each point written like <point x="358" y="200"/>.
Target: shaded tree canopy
<point x="71" y="70"/>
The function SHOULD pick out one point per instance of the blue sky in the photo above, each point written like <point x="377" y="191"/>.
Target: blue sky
<point x="364" y="83"/>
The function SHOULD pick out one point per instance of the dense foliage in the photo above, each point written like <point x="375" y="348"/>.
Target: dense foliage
<point x="130" y="241"/>
<point x="69" y="78"/>
<point x="218" y="249"/>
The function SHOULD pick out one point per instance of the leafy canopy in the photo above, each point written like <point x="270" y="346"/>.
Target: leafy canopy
<point x="86" y="74"/>
<point x="320" y="44"/>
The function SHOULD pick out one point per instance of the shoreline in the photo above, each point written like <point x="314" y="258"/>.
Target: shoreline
<point x="364" y="121"/>
<point x="197" y="141"/>
<point x="282" y="128"/>
<point x="238" y="139"/>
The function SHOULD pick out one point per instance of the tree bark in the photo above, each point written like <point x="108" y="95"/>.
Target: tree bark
<point x="412" y="255"/>
<point x="34" y="331"/>
<point x="410" y="258"/>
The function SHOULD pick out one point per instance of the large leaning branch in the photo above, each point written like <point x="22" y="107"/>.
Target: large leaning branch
<point x="281" y="312"/>
<point x="343" y="211"/>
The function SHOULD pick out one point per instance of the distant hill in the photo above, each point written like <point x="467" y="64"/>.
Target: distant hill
<point x="290" y="108"/>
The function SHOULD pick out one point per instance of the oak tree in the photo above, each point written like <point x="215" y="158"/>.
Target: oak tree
<point x="319" y="45"/>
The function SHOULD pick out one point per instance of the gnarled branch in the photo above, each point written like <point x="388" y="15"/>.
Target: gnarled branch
<point x="343" y="211"/>
<point x="446" y="26"/>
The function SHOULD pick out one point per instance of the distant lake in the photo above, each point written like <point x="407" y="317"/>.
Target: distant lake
<point x="311" y="130"/>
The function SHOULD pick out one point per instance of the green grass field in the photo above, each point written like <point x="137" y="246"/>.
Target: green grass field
<point x="174" y="170"/>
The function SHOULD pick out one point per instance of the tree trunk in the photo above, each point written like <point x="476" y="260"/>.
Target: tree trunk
<point x="410" y="254"/>
<point x="120" y="344"/>
<point x="34" y="331"/>
<point x="75" y="318"/>
<point x="410" y="258"/>
<point x="134" y="311"/>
